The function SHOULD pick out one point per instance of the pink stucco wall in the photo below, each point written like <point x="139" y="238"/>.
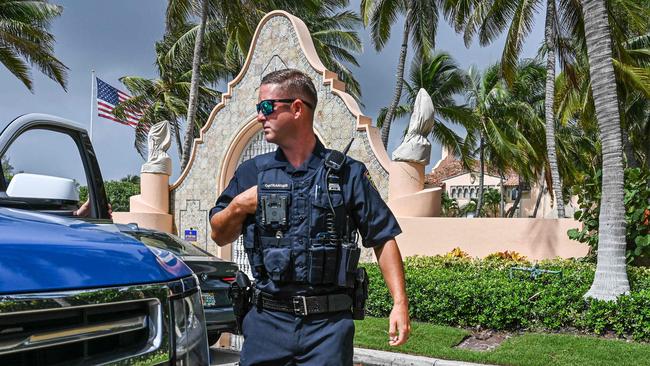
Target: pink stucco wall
<point x="534" y="238"/>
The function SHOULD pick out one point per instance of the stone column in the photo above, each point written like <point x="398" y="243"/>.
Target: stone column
<point x="150" y="209"/>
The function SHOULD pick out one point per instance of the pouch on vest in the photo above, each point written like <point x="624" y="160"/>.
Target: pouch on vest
<point x="321" y="208"/>
<point x="350" y="254"/>
<point x="277" y="256"/>
<point x="316" y="264"/>
<point x="253" y="251"/>
<point x="323" y="257"/>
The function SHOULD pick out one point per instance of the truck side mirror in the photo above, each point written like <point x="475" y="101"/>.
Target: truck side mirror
<point x="25" y="185"/>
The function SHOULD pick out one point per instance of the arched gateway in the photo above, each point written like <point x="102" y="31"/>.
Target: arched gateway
<point x="232" y="134"/>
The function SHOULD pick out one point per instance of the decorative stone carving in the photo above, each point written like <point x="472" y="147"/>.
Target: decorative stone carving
<point x="416" y="147"/>
<point x="158" y="141"/>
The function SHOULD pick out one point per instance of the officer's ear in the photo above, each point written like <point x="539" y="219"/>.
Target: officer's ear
<point x="298" y="108"/>
<point x="307" y="108"/>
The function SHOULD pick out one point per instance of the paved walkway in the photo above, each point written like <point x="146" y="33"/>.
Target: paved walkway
<point x="371" y="357"/>
<point x="365" y="357"/>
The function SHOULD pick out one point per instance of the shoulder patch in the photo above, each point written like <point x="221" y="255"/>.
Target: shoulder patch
<point x="366" y="174"/>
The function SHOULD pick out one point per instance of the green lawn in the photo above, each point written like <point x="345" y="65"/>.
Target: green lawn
<point x="525" y="350"/>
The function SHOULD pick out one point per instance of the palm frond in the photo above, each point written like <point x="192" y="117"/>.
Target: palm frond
<point x="384" y="14"/>
<point x="16" y="66"/>
<point x="638" y="77"/>
<point x="520" y="28"/>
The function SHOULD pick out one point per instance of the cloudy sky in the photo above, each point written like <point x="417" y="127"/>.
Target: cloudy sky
<point x="116" y="38"/>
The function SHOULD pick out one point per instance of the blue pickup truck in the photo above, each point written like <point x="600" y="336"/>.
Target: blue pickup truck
<point x="74" y="290"/>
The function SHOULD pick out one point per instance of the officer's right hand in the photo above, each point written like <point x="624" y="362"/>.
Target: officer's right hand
<point x="247" y="200"/>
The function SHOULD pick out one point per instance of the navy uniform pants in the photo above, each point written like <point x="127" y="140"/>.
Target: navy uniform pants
<point x="277" y="338"/>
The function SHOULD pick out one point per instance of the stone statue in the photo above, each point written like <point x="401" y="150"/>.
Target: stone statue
<point x="158" y="141"/>
<point x="416" y="147"/>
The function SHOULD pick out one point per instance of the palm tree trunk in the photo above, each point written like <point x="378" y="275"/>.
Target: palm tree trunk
<point x="481" y="178"/>
<point x="611" y="279"/>
<point x="539" y="195"/>
<point x="520" y="189"/>
<point x="549" y="110"/>
<point x="397" y="94"/>
<point x="194" y="87"/>
<point x="502" y="201"/>
<point x="179" y="144"/>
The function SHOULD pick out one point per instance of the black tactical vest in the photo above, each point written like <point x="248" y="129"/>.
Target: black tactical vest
<point x="302" y="233"/>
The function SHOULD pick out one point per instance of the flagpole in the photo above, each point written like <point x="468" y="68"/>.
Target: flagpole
<point x="92" y="102"/>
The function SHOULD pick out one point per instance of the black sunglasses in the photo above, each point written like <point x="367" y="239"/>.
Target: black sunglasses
<point x="266" y="106"/>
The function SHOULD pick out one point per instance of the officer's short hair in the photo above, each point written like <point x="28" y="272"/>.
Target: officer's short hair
<point x="294" y="81"/>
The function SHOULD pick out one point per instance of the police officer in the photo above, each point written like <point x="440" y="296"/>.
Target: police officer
<point x="299" y="211"/>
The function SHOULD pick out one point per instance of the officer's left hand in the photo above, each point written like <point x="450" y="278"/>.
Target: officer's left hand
<point x="84" y="210"/>
<point x="399" y="326"/>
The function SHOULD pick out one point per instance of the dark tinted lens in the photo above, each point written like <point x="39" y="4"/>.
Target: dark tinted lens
<point x="266" y="107"/>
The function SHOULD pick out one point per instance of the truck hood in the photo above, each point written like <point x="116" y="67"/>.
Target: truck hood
<point x="42" y="253"/>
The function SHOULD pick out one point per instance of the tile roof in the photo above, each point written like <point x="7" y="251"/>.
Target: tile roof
<point x="451" y="167"/>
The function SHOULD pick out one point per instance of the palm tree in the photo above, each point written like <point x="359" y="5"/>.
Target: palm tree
<point x="629" y="21"/>
<point x="420" y="24"/>
<point x="492" y="198"/>
<point x="166" y="98"/>
<point x="194" y="84"/>
<point x="508" y="128"/>
<point x="178" y="11"/>
<point x="610" y="279"/>
<point x="25" y="40"/>
<point x="484" y="95"/>
<point x="525" y="114"/>
<point x="576" y="113"/>
<point x="490" y="19"/>
<point x="441" y="77"/>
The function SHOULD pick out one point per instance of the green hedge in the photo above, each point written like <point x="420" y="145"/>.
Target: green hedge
<point x="118" y="194"/>
<point x="480" y="293"/>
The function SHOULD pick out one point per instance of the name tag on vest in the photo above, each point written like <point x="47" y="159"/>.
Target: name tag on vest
<point x="280" y="186"/>
<point x="333" y="187"/>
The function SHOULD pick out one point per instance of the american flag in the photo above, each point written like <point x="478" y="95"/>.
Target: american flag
<point x="108" y="98"/>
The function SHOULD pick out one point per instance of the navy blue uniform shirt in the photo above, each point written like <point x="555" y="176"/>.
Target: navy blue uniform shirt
<point x="374" y="220"/>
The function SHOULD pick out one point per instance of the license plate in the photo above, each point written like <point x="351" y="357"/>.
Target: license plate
<point x="208" y="300"/>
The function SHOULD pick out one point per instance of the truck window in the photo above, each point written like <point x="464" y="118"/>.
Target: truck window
<point x="45" y="153"/>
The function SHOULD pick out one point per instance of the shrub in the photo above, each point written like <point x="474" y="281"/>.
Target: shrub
<point x="507" y="255"/>
<point x="117" y="193"/>
<point x="637" y="213"/>
<point x="457" y="253"/>
<point x="466" y="292"/>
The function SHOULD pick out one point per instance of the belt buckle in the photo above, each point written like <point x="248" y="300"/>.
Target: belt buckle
<point x="300" y="305"/>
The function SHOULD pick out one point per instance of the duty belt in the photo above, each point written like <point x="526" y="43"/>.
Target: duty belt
<point x="304" y="305"/>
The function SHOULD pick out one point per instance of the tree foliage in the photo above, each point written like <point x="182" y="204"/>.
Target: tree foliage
<point x="166" y="98"/>
<point x="637" y="213"/>
<point x="117" y="192"/>
<point x="25" y="40"/>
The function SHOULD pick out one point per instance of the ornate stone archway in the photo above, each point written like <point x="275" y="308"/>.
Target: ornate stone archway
<point x="281" y="40"/>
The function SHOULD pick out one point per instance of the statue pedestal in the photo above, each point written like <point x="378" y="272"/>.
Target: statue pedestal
<point x="405" y="178"/>
<point x="149" y="209"/>
<point x="406" y="193"/>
